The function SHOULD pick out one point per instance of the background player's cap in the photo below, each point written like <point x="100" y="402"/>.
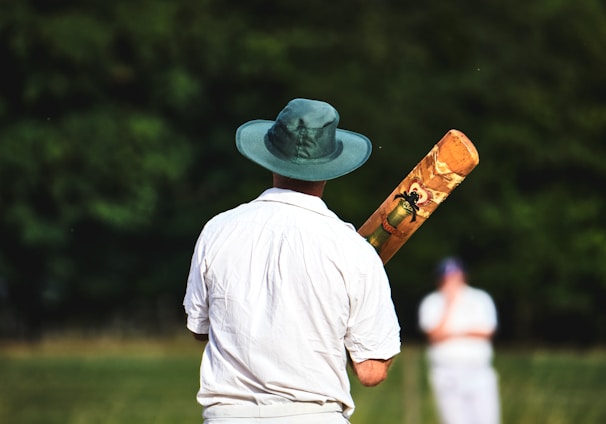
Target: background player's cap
<point x="449" y="265"/>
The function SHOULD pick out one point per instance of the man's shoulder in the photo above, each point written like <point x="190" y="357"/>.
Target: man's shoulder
<point x="430" y="303"/>
<point x="478" y="293"/>
<point x="431" y="297"/>
<point x="223" y="218"/>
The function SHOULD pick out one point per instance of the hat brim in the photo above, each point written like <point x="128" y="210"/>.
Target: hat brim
<point x="250" y="141"/>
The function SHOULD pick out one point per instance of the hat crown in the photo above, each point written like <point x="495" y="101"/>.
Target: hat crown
<point x="305" y="132"/>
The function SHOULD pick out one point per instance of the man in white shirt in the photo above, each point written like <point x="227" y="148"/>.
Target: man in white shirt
<point x="284" y="291"/>
<point x="459" y="321"/>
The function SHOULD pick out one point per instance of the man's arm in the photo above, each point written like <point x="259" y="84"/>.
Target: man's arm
<point x="440" y="331"/>
<point x="372" y="371"/>
<point x="438" y="335"/>
<point x="200" y="337"/>
<point x="484" y="331"/>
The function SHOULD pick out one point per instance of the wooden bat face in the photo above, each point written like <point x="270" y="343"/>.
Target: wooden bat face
<point x="420" y="193"/>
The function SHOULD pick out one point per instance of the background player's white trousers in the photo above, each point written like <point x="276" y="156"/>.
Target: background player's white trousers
<point x="466" y="395"/>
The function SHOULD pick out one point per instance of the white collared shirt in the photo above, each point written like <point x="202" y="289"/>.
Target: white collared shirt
<point x="474" y="311"/>
<point x="283" y="286"/>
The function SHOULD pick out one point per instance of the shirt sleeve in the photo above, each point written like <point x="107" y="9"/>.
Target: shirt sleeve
<point x="430" y="312"/>
<point x="196" y="294"/>
<point x="489" y="312"/>
<point x="373" y="331"/>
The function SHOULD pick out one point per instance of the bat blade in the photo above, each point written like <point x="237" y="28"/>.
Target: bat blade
<point x="418" y="195"/>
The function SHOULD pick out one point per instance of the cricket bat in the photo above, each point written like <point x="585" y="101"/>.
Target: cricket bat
<point x="420" y="193"/>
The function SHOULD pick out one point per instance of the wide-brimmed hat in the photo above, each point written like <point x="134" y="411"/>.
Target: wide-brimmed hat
<point x="303" y="142"/>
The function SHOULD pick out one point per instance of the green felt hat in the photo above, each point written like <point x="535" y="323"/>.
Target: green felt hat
<point x="304" y="143"/>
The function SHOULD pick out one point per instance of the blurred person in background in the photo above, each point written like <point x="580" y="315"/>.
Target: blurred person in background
<point x="285" y="293"/>
<point x="459" y="322"/>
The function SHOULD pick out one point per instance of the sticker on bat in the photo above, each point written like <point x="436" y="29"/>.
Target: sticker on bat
<point x="409" y="203"/>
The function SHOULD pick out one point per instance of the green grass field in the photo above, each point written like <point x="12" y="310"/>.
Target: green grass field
<point x="109" y="381"/>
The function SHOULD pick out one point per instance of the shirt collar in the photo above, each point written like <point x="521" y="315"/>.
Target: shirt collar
<point x="295" y="198"/>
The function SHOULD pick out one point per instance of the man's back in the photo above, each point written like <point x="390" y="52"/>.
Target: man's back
<point x="285" y="280"/>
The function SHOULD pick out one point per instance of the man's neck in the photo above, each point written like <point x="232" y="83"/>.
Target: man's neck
<point x="313" y="188"/>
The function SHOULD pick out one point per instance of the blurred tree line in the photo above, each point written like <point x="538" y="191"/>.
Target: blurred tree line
<point x="117" y="123"/>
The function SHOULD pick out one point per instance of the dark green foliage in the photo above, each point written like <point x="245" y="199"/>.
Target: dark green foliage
<point x="117" y="124"/>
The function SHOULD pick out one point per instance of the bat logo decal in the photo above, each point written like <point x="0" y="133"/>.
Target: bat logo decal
<point x="412" y="199"/>
<point x="415" y="196"/>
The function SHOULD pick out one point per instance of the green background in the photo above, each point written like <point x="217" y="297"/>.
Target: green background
<point x="141" y="381"/>
<point x="117" y="123"/>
